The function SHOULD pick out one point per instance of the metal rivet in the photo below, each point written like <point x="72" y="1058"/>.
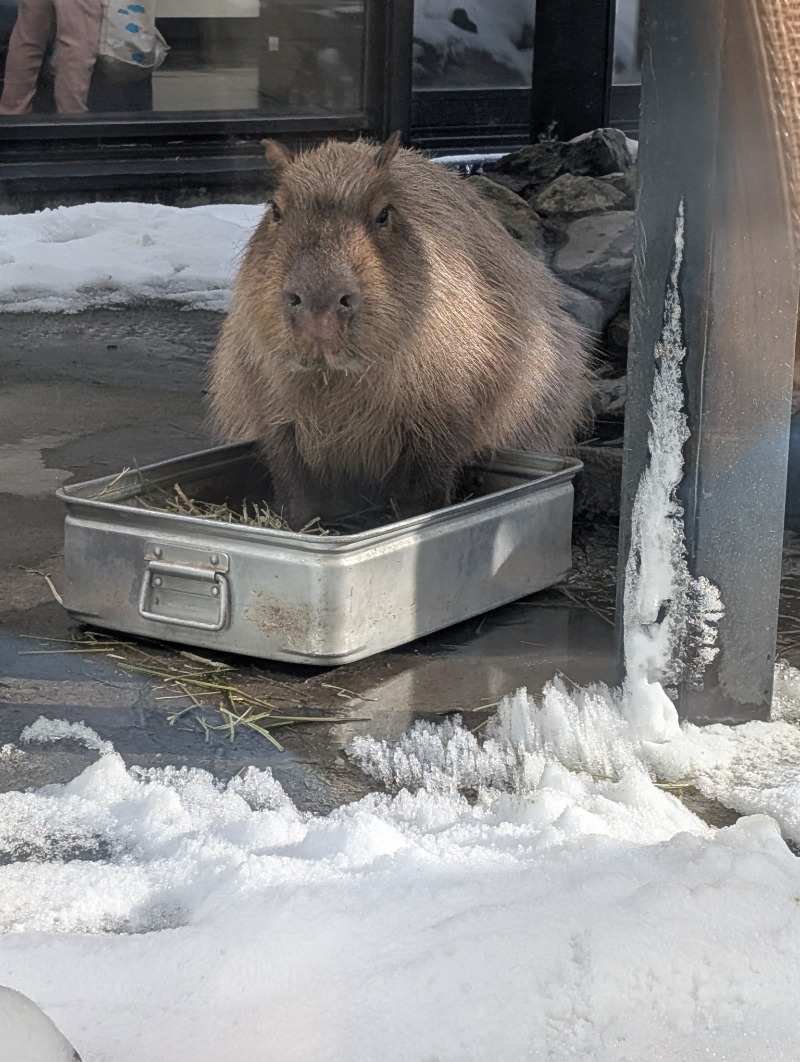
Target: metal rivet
<point x="214" y="559"/>
<point x="215" y="591"/>
<point x="158" y="551"/>
<point x="157" y="581"/>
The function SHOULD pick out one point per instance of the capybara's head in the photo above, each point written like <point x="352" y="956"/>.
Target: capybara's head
<point x="336" y="256"/>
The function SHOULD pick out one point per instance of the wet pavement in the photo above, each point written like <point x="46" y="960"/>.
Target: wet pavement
<point x="85" y="395"/>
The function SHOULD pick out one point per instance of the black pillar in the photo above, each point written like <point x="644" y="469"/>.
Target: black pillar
<point x="708" y="137"/>
<point x="390" y="31"/>
<point x="573" y="49"/>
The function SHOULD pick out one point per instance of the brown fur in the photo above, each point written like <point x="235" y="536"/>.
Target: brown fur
<point x="459" y="344"/>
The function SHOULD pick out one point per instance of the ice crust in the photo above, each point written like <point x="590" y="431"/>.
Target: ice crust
<point x="670" y="616"/>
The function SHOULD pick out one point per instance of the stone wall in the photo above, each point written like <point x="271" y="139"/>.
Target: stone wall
<point x="572" y="205"/>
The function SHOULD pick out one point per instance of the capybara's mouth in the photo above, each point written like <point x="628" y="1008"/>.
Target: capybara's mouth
<point x="327" y="360"/>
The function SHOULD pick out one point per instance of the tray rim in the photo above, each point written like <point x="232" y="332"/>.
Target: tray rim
<point x="552" y="471"/>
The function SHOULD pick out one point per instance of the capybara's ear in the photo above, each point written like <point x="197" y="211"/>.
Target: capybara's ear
<point x="276" y="153"/>
<point x="387" y="151"/>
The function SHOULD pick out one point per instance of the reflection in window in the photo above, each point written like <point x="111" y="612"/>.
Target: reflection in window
<point x="627" y="44"/>
<point x="486" y="44"/>
<point x="281" y="57"/>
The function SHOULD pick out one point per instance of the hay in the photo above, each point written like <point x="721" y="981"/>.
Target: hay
<point x="251" y="513"/>
<point x="206" y="684"/>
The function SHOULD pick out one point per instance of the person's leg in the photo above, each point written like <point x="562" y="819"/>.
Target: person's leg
<point x="77" y="40"/>
<point x="26" y="48"/>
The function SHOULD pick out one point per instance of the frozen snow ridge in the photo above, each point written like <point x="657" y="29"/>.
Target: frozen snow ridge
<point x="671" y="616"/>
<point x="49" y="730"/>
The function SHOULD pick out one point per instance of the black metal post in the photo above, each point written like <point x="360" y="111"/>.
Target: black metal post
<point x="390" y="33"/>
<point x="573" y="49"/>
<point x="708" y="137"/>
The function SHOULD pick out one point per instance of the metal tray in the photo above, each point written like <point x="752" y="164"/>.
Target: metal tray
<point x="315" y="600"/>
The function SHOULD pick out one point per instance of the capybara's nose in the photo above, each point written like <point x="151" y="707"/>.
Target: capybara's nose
<point x="349" y="304"/>
<point x="343" y="303"/>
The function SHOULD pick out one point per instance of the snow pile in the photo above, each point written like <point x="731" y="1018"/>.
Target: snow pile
<point x="157" y="915"/>
<point x="113" y="254"/>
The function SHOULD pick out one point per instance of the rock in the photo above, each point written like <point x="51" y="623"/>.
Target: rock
<point x="597" y="257"/>
<point x="599" y="152"/>
<point x="608" y="400"/>
<point x="514" y="213"/>
<point x="599" y="483"/>
<point x="514" y="182"/>
<point x="536" y="165"/>
<point x="619" y="330"/>
<point x="573" y="195"/>
<point x="525" y="39"/>
<point x="580" y="197"/>
<point x="590" y="312"/>
<point x="27" y="1034"/>
<point x="625" y="183"/>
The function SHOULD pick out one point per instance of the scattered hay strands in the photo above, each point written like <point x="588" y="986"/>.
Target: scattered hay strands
<point x="197" y="679"/>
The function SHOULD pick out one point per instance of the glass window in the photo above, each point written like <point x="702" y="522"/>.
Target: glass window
<point x="487" y="44"/>
<point x="627" y="45"/>
<point x="277" y="57"/>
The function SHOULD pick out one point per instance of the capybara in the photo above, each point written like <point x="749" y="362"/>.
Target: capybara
<point x="385" y="330"/>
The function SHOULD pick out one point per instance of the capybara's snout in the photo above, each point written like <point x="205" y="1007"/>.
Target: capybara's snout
<point x="319" y="300"/>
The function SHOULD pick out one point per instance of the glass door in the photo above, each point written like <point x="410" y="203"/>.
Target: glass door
<point x="234" y="71"/>
<point x="266" y="59"/>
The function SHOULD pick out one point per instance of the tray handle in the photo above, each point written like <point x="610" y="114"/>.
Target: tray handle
<point x="153" y="572"/>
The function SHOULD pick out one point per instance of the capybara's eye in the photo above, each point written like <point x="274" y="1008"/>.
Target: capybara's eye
<point x="274" y="210"/>
<point x="382" y="220"/>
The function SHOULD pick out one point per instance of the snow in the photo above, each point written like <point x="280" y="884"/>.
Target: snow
<point x="497" y="902"/>
<point x="114" y="254"/>
<point x="28" y="1035"/>
<point x="498" y="31"/>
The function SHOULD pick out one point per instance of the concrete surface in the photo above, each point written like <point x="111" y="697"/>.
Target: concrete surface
<point x="87" y="394"/>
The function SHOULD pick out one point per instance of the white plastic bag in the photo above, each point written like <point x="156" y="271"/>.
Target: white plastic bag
<point x="130" y="45"/>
